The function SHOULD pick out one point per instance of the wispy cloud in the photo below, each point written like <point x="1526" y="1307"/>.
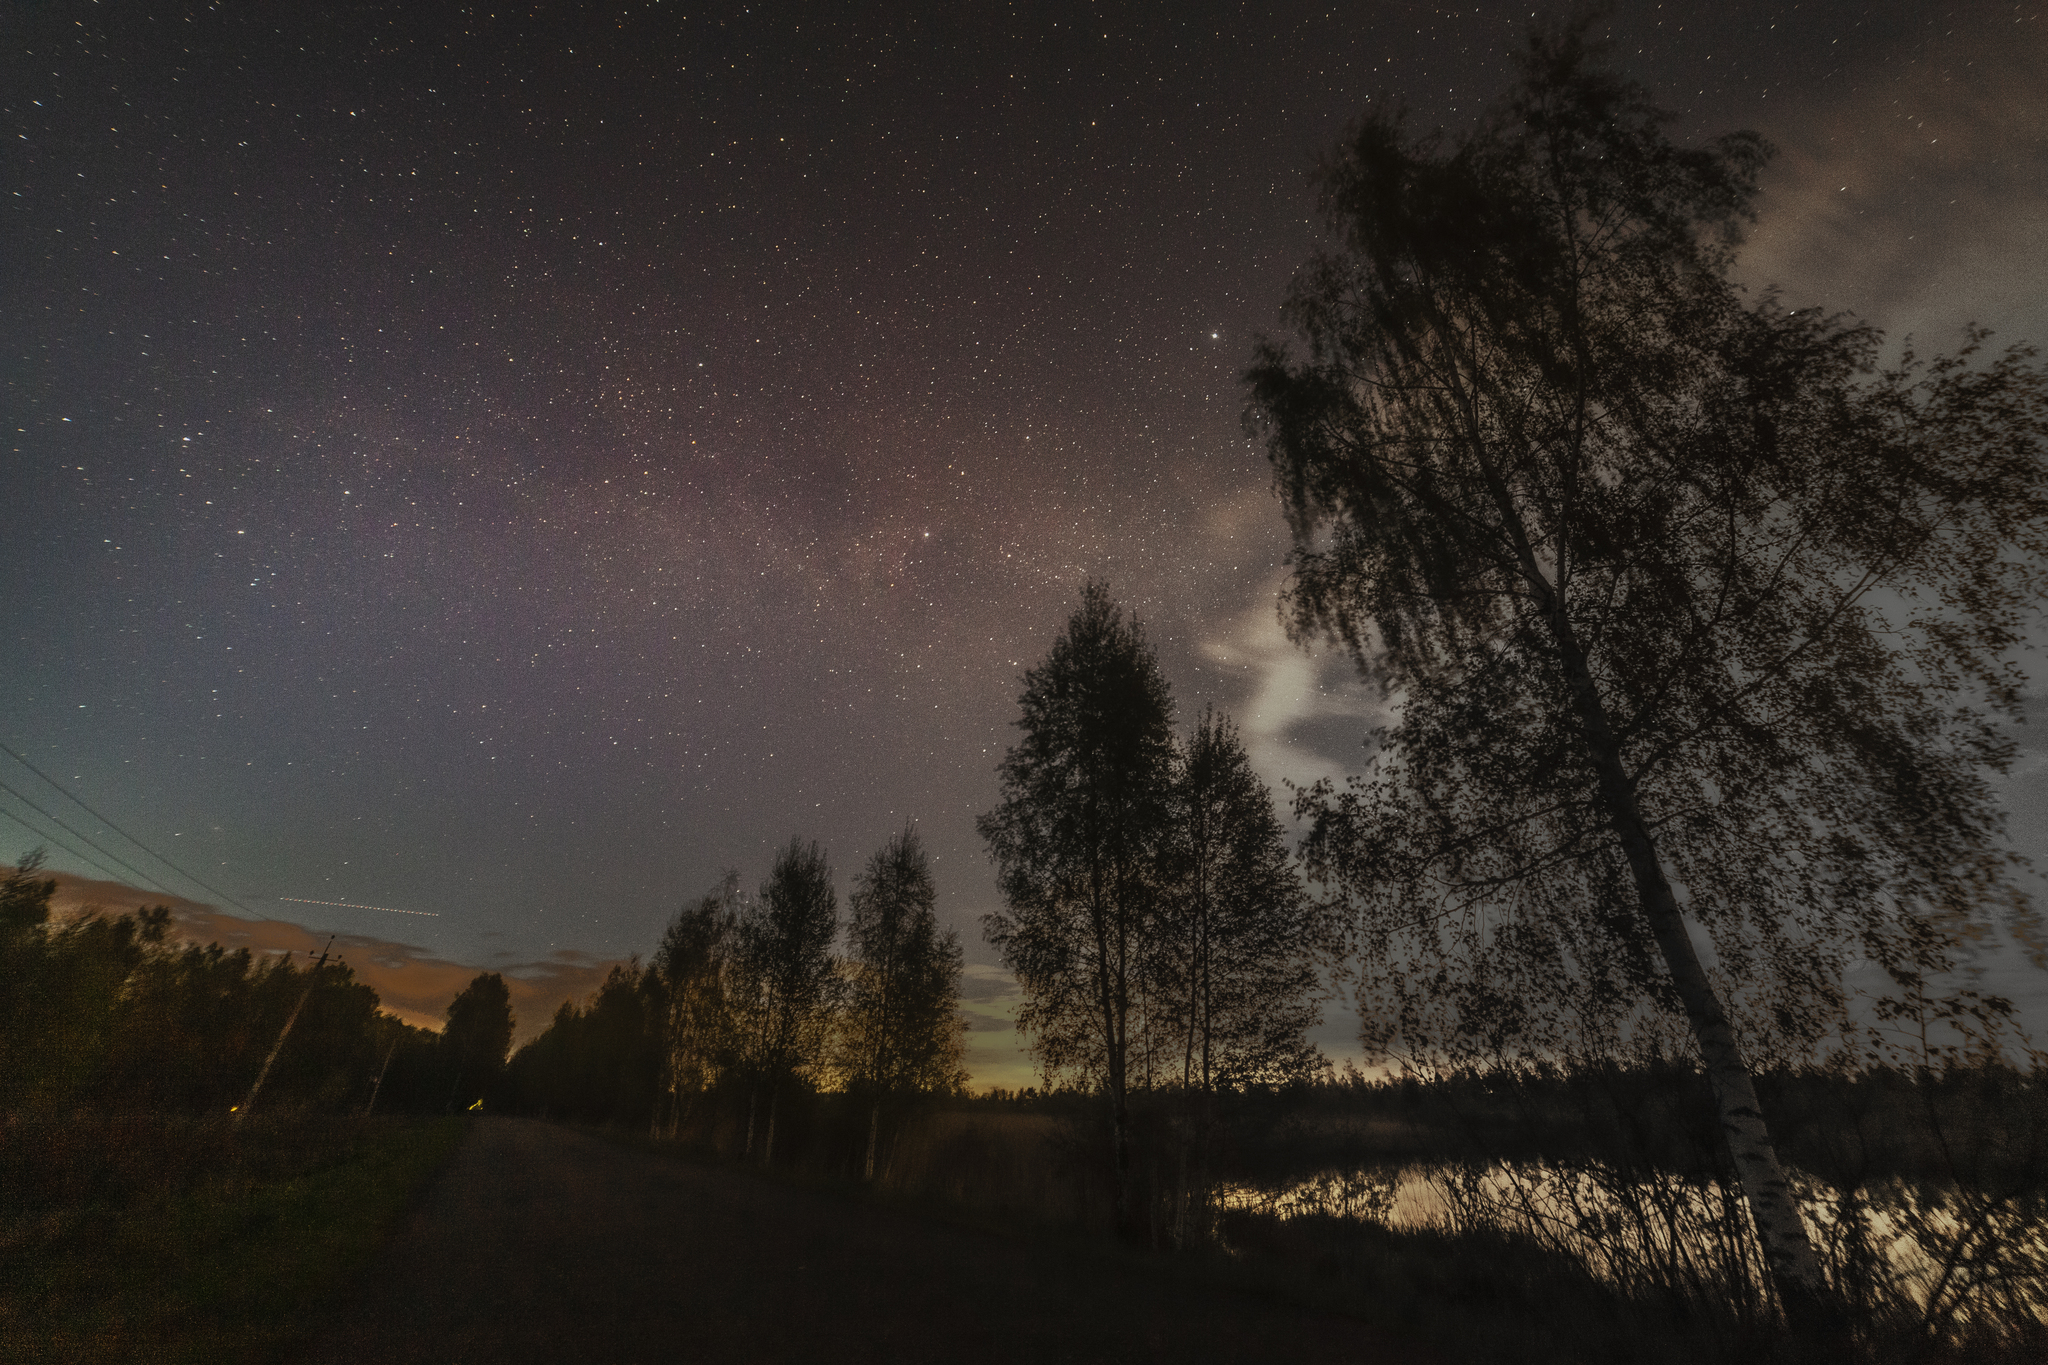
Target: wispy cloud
<point x="996" y="1053"/>
<point x="1307" y="715"/>
<point x="1918" y="198"/>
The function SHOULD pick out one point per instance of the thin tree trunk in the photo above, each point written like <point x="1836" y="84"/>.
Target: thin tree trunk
<point x="685" y="1107"/>
<point x="1178" y="1229"/>
<point x="1109" y="998"/>
<point x="1154" y="1233"/>
<point x="1810" y="1309"/>
<point x="874" y="1127"/>
<point x="747" y="1151"/>
<point x="1199" y="903"/>
<point x="1788" y="1251"/>
<point x="1120" y="1142"/>
<point x="768" y="1145"/>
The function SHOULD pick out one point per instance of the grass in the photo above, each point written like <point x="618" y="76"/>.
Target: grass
<point x="163" y="1239"/>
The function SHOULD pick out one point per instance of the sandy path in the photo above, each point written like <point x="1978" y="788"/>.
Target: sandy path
<point x="547" y="1245"/>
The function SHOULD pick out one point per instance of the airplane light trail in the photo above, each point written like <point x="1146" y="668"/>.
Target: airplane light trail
<point x="351" y="905"/>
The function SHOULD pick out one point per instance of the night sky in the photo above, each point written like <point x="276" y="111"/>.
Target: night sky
<point x="512" y="466"/>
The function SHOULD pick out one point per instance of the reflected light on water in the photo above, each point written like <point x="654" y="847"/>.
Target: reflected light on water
<point x="1661" y="1231"/>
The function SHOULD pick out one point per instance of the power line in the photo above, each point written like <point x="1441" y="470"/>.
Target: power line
<point x="18" y="758"/>
<point x="51" y="838"/>
<point x="88" y="839"/>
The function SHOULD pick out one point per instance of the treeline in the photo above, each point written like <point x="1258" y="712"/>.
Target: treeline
<point x="106" y="1015"/>
<point x="1167" y="951"/>
<point x="752" y="1003"/>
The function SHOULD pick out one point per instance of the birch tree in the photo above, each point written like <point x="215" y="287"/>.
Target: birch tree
<point x="901" y="1031"/>
<point x="695" y="963"/>
<point x="1076" y="842"/>
<point x="1233" y="967"/>
<point x="1232" y="970"/>
<point x="792" y="984"/>
<point x="1696" y="621"/>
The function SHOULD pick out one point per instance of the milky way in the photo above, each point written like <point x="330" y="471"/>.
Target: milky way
<point x="515" y="468"/>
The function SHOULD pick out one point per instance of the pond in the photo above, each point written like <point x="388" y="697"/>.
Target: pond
<point x="1902" y="1248"/>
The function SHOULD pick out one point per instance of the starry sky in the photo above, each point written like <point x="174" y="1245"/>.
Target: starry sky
<point x="508" y="465"/>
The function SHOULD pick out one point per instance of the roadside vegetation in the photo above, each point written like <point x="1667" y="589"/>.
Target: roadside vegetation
<point x="174" y="1238"/>
<point x="106" y="1014"/>
<point x="1564" y="1214"/>
<point x="189" y="1166"/>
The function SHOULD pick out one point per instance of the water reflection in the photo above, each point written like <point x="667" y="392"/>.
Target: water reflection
<point x="1896" y="1248"/>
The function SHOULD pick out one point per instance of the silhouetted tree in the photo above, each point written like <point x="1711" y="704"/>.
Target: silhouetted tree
<point x="69" y="1005"/>
<point x="1685" y="609"/>
<point x="901" y="1031"/>
<point x="545" y="1076"/>
<point x="791" y="986"/>
<point x="1076" y="846"/>
<point x="606" y="1054"/>
<point x="24" y="899"/>
<point x="1231" y="970"/>
<point x="1233" y="967"/>
<point x="396" y="1045"/>
<point x="695" y="964"/>
<point x="477" y="1036"/>
<point x="103" y="1013"/>
<point x="24" y="911"/>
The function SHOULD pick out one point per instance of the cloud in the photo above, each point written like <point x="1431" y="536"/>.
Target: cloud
<point x="411" y="983"/>
<point x="988" y="986"/>
<point x="1307" y="715"/>
<point x="997" y="1055"/>
<point x="1917" y="198"/>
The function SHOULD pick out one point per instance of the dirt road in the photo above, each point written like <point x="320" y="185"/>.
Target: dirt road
<point x="546" y="1245"/>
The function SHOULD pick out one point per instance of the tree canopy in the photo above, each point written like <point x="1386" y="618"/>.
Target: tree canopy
<point x="697" y="968"/>
<point x="478" y="1035"/>
<point x="791" y="987"/>
<point x="1236" y="951"/>
<point x="1697" y="619"/>
<point x="901" y="1028"/>
<point x="900" y="1033"/>
<point x="105" y="1013"/>
<point x="1076" y="844"/>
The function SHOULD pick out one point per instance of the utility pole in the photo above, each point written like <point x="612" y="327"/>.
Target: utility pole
<point x="312" y="978"/>
<point x="389" y="1052"/>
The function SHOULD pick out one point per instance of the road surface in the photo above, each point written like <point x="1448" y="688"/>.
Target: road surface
<point x="543" y="1244"/>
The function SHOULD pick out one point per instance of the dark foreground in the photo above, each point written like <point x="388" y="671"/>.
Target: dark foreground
<point x="544" y="1244"/>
